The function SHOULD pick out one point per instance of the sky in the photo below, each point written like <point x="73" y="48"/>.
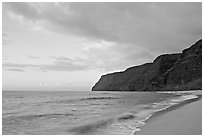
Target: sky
<point x="68" y="46"/>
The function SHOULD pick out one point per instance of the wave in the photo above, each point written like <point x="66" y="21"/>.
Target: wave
<point x="126" y="116"/>
<point x="61" y="101"/>
<point x="30" y="117"/>
<point x="90" y="128"/>
<point x="179" y="92"/>
<point x="125" y="120"/>
<point x="80" y="99"/>
<point x="133" y="120"/>
<point x="51" y="115"/>
<point x="169" y="105"/>
<point x="9" y="114"/>
<point x="20" y="97"/>
<point x="98" y="98"/>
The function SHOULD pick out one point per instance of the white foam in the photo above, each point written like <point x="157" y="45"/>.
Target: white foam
<point x="184" y="98"/>
<point x="156" y="107"/>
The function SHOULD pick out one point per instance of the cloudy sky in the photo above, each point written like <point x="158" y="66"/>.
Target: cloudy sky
<point x="68" y="46"/>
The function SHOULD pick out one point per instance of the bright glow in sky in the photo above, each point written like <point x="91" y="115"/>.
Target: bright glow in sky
<point x="68" y="46"/>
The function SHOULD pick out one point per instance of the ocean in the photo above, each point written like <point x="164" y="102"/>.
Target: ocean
<point x="85" y="112"/>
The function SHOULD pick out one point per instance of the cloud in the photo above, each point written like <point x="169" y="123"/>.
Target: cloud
<point x="61" y="58"/>
<point x="59" y="64"/>
<point x="16" y="65"/>
<point x="64" y="64"/>
<point x="23" y="9"/>
<point x="34" y="57"/>
<point x="19" y="70"/>
<point x="5" y="39"/>
<point x="159" y="27"/>
<point x="119" y="34"/>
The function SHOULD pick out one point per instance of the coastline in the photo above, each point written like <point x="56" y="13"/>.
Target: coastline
<point x="182" y="119"/>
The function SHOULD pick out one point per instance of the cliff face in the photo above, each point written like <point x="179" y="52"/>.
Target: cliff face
<point x="187" y="71"/>
<point x="182" y="71"/>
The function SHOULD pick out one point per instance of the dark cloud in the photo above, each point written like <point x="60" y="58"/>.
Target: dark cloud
<point x="19" y="70"/>
<point x="22" y="8"/>
<point x="16" y="65"/>
<point x="155" y="27"/>
<point x="61" y="63"/>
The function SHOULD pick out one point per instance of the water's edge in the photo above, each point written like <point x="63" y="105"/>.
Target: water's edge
<point x="85" y="113"/>
<point x="168" y="109"/>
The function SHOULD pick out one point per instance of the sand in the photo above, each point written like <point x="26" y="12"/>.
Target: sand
<point x="185" y="119"/>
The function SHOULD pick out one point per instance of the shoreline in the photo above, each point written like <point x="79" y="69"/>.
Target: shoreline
<point x="184" y="118"/>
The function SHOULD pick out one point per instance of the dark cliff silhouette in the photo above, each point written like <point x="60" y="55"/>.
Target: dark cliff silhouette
<point x="181" y="71"/>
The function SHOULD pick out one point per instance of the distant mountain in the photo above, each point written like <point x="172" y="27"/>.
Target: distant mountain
<point x="182" y="71"/>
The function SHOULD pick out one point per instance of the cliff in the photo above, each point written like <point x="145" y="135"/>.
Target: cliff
<point x="181" y="71"/>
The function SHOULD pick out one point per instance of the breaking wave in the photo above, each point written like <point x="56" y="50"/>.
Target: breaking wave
<point x="132" y="120"/>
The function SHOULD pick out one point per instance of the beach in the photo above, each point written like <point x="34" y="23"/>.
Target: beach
<point x="183" y="119"/>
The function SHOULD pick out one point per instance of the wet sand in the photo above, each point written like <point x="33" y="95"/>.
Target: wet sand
<point x="182" y="119"/>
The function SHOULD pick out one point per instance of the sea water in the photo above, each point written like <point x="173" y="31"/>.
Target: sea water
<point x="85" y="112"/>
